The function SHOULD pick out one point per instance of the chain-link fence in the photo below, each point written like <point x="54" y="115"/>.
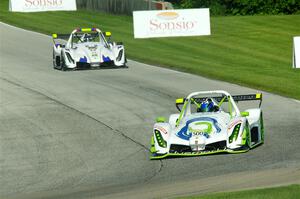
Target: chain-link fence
<point x="116" y="6"/>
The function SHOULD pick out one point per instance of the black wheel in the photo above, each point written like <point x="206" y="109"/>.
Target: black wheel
<point x="62" y="63"/>
<point x="262" y="129"/>
<point x="248" y="136"/>
<point x="125" y="63"/>
<point x="54" y="60"/>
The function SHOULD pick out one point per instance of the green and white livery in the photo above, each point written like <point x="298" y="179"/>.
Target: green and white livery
<point x="209" y="122"/>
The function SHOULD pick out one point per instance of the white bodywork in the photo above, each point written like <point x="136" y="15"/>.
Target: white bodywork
<point x="79" y="52"/>
<point x="205" y="132"/>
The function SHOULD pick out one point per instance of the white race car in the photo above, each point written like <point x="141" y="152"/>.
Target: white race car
<point x="209" y="122"/>
<point x="86" y="48"/>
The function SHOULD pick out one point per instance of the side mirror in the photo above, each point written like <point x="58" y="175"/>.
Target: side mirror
<point x="107" y="34"/>
<point x="179" y="101"/>
<point x="161" y="119"/>
<point x="244" y="114"/>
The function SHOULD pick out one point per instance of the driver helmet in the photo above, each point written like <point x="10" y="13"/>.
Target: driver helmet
<point x="87" y="38"/>
<point x="207" y="105"/>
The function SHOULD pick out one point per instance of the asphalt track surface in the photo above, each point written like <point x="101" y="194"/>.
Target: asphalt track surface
<point x="86" y="134"/>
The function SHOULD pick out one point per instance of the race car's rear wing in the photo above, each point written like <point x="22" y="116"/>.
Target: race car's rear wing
<point x="236" y="98"/>
<point x="60" y="39"/>
<point x="60" y="36"/>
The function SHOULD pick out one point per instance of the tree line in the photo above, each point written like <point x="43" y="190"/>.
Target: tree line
<point x="242" y="7"/>
<point x="113" y="6"/>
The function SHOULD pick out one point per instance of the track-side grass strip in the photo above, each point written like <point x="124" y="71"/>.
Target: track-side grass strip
<point x="254" y="51"/>
<point x="286" y="192"/>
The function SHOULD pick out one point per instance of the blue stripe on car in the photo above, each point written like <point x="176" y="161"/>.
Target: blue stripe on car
<point x="83" y="60"/>
<point x="105" y="59"/>
<point x="183" y="133"/>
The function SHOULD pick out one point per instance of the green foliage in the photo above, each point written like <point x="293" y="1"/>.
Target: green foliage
<point x="113" y="6"/>
<point x="251" y="7"/>
<point x="243" y="7"/>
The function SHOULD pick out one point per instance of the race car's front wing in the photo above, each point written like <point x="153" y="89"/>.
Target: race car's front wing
<point x="155" y="156"/>
<point x="171" y="153"/>
<point x="242" y="149"/>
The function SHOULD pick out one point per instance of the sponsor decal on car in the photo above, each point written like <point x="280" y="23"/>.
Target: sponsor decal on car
<point x="183" y="133"/>
<point x="234" y="123"/>
<point x="160" y="129"/>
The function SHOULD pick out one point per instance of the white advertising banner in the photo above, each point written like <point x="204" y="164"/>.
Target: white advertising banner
<point x="296" y="52"/>
<point x="41" y="5"/>
<point x="171" y="23"/>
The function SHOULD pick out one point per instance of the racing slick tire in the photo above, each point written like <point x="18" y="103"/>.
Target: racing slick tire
<point x="262" y="129"/>
<point x="125" y="63"/>
<point x="62" y="63"/>
<point x="54" y="60"/>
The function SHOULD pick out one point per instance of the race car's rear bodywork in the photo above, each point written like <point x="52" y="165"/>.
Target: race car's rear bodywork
<point x="225" y="129"/>
<point x="86" y="48"/>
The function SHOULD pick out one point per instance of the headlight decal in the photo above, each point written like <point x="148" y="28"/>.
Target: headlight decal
<point x="160" y="140"/>
<point x="120" y="55"/>
<point x="235" y="133"/>
<point x="70" y="58"/>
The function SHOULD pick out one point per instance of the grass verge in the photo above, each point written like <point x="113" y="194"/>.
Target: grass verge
<point x="253" y="51"/>
<point x="286" y="192"/>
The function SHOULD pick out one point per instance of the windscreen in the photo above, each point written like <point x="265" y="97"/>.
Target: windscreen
<point x="211" y="103"/>
<point x="79" y="37"/>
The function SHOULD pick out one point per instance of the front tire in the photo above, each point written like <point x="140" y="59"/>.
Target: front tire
<point x="262" y="129"/>
<point x="62" y="63"/>
<point x="54" y="60"/>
